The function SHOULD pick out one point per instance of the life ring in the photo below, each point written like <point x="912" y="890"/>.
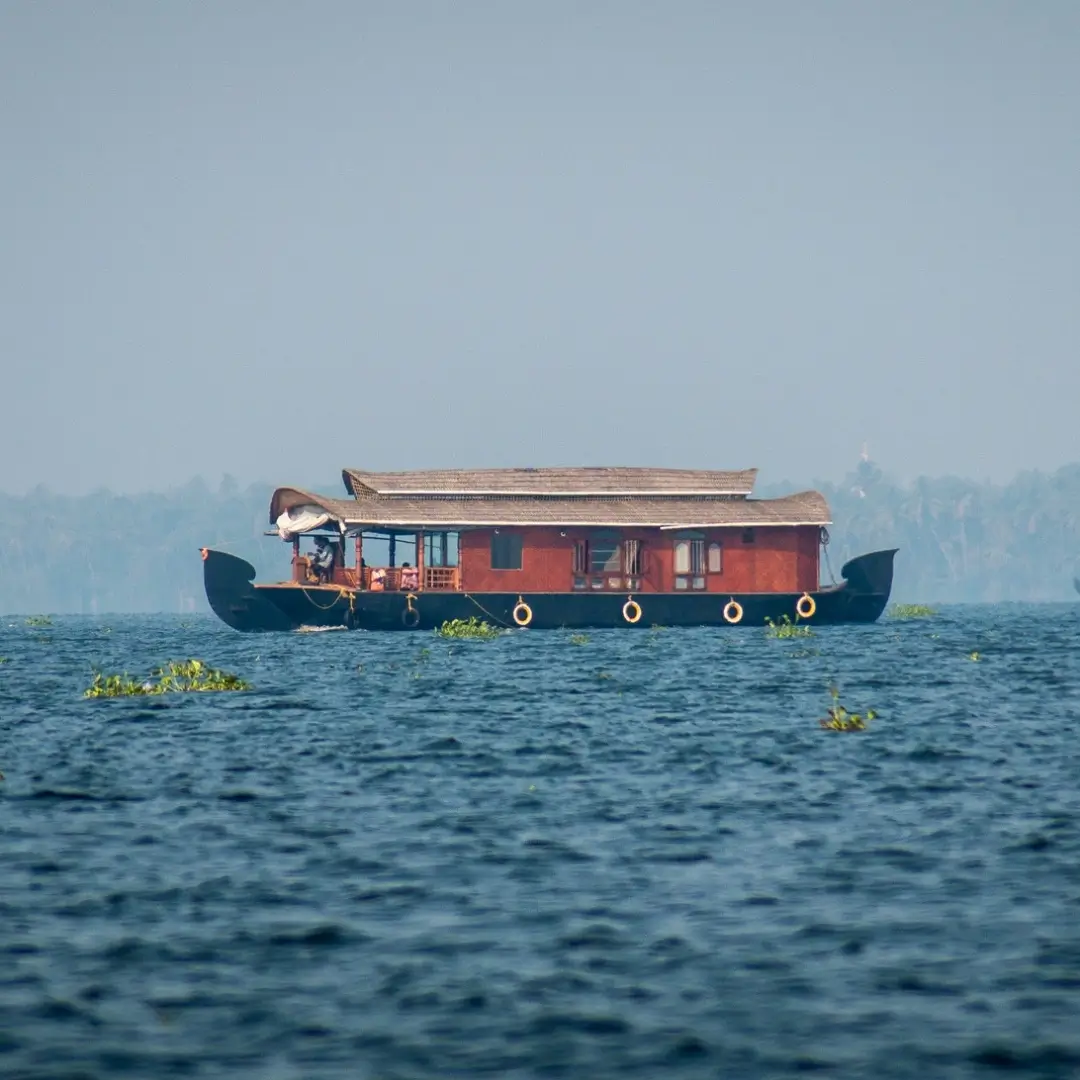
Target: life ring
<point x="522" y="613"/>
<point x="805" y="606"/>
<point x="410" y="617"/>
<point x="733" y="611"/>
<point x="631" y="610"/>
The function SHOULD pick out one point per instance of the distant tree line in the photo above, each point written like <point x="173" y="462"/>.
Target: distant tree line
<point x="958" y="540"/>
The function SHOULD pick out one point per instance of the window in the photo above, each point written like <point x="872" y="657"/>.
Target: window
<point x="581" y="557"/>
<point x="716" y="559"/>
<point x="748" y="536"/>
<point x="606" y="561"/>
<point x="581" y="564"/>
<point x="682" y="556"/>
<point x="505" y="551"/>
<point x="604" y="555"/>
<point x="693" y="560"/>
<point x="440" y="549"/>
<point x="689" y="556"/>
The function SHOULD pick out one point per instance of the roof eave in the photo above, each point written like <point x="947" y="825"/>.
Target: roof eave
<point x="598" y="523"/>
<point x="793" y="524"/>
<point x="483" y="493"/>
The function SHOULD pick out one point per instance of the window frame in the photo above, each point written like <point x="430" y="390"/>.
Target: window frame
<point x="442" y="549"/>
<point x="606" y="538"/>
<point x="508" y="537"/>
<point x="718" y="547"/>
<point x="630" y="552"/>
<point x="698" y="549"/>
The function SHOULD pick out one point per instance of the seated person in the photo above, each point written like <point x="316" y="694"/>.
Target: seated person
<point x="410" y="577"/>
<point x="322" y="560"/>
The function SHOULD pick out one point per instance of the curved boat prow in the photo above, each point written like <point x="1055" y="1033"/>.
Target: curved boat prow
<point x="870" y="573"/>
<point x="867" y="584"/>
<point x="233" y="597"/>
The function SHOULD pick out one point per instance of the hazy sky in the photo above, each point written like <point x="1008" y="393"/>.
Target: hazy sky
<point x="272" y="239"/>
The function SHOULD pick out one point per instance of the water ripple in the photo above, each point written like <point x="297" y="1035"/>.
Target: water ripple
<point x="639" y="856"/>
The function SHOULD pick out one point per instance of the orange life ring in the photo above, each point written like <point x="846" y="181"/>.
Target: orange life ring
<point x="805" y="606"/>
<point x="733" y="611"/>
<point x="522" y="613"/>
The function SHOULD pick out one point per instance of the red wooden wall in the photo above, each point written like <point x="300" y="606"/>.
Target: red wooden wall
<point x="781" y="559"/>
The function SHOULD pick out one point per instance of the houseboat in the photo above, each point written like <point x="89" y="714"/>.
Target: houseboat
<point x="546" y="548"/>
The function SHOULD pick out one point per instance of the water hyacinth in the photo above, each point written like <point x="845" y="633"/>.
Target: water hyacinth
<point x="839" y="719"/>
<point x="472" y="627"/>
<point x="910" y="611"/>
<point x="178" y="676"/>
<point x="785" y="628"/>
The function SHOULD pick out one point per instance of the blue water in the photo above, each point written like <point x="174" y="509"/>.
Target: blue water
<point x="638" y="856"/>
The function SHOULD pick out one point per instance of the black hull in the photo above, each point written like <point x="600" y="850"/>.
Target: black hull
<point x="236" y="600"/>
<point x="234" y="597"/>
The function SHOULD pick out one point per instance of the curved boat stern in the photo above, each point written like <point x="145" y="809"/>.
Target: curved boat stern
<point x="233" y="597"/>
<point x="867" y="584"/>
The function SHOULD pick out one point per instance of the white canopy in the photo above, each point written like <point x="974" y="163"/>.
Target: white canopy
<point x="300" y="519"/>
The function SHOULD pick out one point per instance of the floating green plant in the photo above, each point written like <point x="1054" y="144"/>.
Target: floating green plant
<point x="839" y="719"/>
<point x="178" y="676"/>
<point x="976" y="656"/>
<point x="579" y="639"/>
<point x="785" y="628"/>
<point x="471" y="627"/>
<point x="910" y="611"/>
<point x="39" y="620"/>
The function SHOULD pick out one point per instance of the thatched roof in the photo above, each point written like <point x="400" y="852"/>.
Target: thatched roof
<point x="584" y="481"/>
<point x="661" y="511"/>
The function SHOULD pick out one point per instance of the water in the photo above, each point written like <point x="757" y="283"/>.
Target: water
<point x="638" y="856"/>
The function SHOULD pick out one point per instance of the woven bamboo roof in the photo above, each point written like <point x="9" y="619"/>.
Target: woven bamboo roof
<point x="577" y="481"/>
<point x="666" y="511"/>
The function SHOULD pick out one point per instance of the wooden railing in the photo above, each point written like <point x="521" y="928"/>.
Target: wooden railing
<point x="385" y="578"/>
<point x="388" y="578"/>
<point x="345" y="576"/>
<point x="441" y="577"/>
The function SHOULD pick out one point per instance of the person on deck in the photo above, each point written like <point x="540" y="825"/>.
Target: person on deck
<point x="410" y="577"/>
<point x="322" y="560"/>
